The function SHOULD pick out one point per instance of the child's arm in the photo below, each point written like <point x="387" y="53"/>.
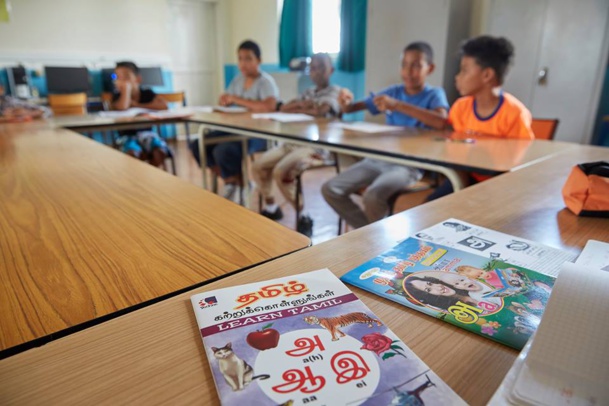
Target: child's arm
<point x="307" y="107"/>
<point x="124" y="100"/>
<point x="436" y="118"/>
<point x="158" y="103"/>
<point x="256" y="106"/>
<point x="345" y="101"/>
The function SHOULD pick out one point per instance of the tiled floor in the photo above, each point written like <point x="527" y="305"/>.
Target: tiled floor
<point x="325" y="219"/>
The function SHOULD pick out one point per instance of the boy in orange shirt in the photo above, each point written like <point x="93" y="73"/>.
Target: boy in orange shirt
<point x="485" y="108"/>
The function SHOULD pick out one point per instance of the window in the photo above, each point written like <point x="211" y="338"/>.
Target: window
<point x="326" y="26"/>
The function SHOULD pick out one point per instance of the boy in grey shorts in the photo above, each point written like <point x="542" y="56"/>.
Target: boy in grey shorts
<point x="286" y="161"/>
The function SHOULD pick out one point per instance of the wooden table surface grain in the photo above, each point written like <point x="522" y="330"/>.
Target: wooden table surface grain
<point x="86" y="231"/>
<point x="155" y="355"/>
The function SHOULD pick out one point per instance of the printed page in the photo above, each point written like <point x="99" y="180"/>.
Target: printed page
<point x="284" y="117"/>
<point x="595" y="255"/>
<point x="496" y="245"/>
<point x="231" y="109"/>
<point x="365" y="127"/>
<point x="307" y="339"/>
<point x="568" y="362"/>
<point x="132" y="112"/>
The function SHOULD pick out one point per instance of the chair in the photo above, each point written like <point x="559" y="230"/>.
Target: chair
<point x="177" y="97"/>
<point x="106" y="98"/>
<point x="544" y="129"/>
<point x="74" y="104"/>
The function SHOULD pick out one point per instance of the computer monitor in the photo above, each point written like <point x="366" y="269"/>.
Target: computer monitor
<point x="152" y="76"/>
<point x="66" y="79"/>
<point x="107" y="76"/>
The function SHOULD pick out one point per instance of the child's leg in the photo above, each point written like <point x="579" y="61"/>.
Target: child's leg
<point x="446" y="187"/>
<point x="131" y="147"/>
<point x="228" y="156"/>
<point x="392" y="179"/>
<point x="337" y="191"/>
<point x="155" y="148"/>
<point x="286" y="170"/>
<point x="262" y="171"/>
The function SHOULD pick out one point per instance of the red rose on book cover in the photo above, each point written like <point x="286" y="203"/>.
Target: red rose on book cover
<point x="376" y="342"/>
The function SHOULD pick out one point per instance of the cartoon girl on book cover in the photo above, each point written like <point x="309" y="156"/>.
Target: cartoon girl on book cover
<point x="441" y="290"/>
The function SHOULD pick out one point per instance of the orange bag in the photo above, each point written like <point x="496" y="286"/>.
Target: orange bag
<point x="586" y="192"/>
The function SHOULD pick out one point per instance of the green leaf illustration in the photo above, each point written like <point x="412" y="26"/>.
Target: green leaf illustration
<point x="388" y="355"/>
<point x="267" y="326"/>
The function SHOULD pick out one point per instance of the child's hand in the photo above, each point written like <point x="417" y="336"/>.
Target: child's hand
<point x="345" y="98"/>
<point x="385" y="103"/>
<point x="226" y="99"/>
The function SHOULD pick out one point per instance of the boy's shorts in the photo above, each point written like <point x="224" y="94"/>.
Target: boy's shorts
<point x="143" y="141"/>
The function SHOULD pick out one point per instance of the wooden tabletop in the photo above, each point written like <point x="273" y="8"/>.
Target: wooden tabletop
<point x="86" y="231"/>
<point x="155" y="355"/>
<point x="484" y="154"/>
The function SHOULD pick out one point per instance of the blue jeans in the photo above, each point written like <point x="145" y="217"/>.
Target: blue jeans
<point x="227" y="155"/>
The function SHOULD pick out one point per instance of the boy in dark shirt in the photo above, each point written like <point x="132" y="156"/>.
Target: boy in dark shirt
<point x="143" y="144"/>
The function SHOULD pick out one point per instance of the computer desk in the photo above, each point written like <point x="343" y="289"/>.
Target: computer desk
<point x="155" y="355"/>
<point x="88" y="233"/>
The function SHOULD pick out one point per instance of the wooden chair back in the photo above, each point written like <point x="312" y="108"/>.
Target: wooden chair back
<point x="73" y="104"/>
<point x="176" y="97"/>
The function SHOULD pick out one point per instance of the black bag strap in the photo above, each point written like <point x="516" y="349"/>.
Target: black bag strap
<point x="600" y="168"/>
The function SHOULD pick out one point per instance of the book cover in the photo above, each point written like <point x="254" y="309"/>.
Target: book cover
<point x="487" y="296"/>
<point x="308" y="340"/>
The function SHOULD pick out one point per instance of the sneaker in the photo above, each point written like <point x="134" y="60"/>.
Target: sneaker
<point x="275" y="215"/>
<point x="231" y="191"/>
<point x="305" y="226"/>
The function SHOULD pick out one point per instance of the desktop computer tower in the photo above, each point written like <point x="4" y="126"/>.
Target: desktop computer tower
<point x="19" y="82"/>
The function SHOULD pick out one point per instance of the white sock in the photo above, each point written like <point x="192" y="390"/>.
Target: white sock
<point x="271" y="208"/>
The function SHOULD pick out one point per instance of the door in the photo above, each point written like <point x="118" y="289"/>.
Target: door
<point x="560" y="50"/>
<point x="530" y="16"/>
<point x="192" y="29"/>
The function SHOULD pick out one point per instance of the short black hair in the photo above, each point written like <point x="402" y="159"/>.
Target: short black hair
<point x="423" y="47"/>
<point x="129" y="65"/>
<point x="250" y="45"/>
<point x="490" y="52"/>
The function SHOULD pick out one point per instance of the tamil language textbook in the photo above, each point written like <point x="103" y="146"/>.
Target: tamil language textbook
<point x="483" y="294"/>
<point x="306" y="339"/>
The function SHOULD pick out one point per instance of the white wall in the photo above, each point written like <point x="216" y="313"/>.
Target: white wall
<point x="257" y="20"/>
<point x="85" y="32"/>
<point x="392" y="24"/>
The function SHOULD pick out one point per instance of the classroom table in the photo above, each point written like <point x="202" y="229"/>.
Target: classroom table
<point x="88" y="233"/>
<point x="438" y="151"/>
<point x="155" y="355"/>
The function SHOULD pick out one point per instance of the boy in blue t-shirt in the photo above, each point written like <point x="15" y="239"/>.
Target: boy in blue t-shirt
<point x="411" y="104"/>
